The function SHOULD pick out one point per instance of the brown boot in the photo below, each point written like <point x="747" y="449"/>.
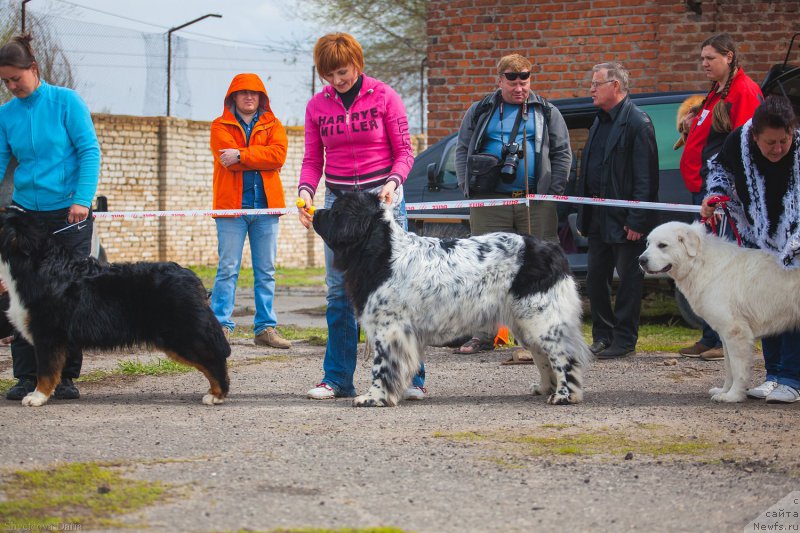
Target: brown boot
<point x="270" y="337"/>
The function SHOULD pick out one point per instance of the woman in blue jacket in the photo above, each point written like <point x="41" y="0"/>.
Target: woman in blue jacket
<point x="50" y="133"/>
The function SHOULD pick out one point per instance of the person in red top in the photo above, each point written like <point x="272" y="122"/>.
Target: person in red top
<point x="249" y="146"/>
<point x="708" y="127"/>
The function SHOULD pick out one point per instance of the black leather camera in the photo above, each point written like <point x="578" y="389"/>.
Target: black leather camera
<point x="508" y="172"/>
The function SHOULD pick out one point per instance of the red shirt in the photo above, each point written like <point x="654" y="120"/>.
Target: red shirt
<point x="744" y="96"/>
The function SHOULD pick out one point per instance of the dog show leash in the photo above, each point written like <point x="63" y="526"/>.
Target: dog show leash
<point x="721" y="201"/>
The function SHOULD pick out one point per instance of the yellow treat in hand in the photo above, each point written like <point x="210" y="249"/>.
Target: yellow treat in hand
<point x="302" y="203"/>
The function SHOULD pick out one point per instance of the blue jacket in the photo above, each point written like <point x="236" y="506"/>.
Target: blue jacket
<point x="52" y="136"/>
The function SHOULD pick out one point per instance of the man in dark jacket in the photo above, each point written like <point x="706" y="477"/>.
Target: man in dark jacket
<point x="620" y="161"/>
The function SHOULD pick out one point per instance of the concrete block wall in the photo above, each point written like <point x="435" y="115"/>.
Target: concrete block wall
<point x="657" y="40"/>
<point x="160" y="163"/>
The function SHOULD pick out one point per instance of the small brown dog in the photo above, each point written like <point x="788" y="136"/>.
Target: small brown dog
<point x="720" y="117"/>
<point x="690" y="106"/>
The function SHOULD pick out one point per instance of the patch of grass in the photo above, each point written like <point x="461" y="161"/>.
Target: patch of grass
<point x="649" y="440"/>
<point x="284" y="277"/>
<point x="6" y="384"/>
<point x="154" y="367"/>
<point x="665" y="338"/>
<point x="85" y="494"/>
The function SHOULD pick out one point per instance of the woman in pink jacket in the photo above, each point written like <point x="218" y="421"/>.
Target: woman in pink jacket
<point x="357" y="134"/>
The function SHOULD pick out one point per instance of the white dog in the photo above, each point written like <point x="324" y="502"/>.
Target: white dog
<point x="744" y="294"/>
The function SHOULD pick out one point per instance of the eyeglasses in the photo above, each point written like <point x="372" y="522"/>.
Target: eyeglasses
<point x="596" y="84"/>
<point x="512" y="76"/>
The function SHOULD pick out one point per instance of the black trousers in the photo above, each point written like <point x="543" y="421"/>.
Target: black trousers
<point x="618" y="326"/>
<point x="78" y="239"/>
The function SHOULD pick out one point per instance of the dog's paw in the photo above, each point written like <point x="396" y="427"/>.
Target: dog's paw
<point x="365" y="400"/>
<point x="35" y="399"/>
<point x="210" y="399"/>
<point x="715" y="390"/>
<point x="728" y="397"/>
<point x="558" y="399"/>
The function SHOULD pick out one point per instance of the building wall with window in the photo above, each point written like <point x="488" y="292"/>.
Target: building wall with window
<point x="657" y="40"/>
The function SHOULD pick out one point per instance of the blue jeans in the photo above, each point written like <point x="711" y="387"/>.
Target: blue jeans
<point x="339" y="364"/>
<point x="710" y="337"/>
<point x="782" y="358"/>
<point x="231" y="232"/>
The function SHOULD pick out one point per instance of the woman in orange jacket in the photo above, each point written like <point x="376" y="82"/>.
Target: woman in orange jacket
<point x="249" y="146"/>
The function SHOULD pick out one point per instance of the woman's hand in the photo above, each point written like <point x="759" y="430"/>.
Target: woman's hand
<point x="303" y="212"/>
<point x="386" y="193"/>
<point x="77" y="213"/>
<point x="229" y="156"/>
<point x="707" y="210"/>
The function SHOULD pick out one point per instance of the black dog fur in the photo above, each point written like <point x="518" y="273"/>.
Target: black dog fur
<point x="60" y="303"/>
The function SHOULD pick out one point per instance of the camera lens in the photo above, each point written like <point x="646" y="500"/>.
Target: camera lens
<point x="510" y="164"/>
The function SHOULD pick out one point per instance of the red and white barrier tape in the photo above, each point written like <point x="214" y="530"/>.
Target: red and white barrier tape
<point x="430" y="206"/>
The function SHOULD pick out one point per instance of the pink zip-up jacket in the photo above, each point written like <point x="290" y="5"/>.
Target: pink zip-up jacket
<point x="358" y="149"/>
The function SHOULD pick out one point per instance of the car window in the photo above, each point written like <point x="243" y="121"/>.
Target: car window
<point x="449" y="177"/>
<point x="663" y="117"/>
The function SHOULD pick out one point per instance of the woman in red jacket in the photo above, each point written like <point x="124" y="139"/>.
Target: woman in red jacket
<point x="740" y="96"/>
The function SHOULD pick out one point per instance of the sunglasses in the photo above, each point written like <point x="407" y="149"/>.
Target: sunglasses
<point x="512" y="76"/>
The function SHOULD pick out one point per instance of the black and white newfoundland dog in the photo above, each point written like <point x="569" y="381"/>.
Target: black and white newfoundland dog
<point x="60" y="303"/>
<point x="410" y="291"/>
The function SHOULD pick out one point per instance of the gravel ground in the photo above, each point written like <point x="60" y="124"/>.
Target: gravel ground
<point x="269" y="458"/>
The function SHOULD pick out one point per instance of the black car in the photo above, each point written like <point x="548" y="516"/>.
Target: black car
<point x="433" y="176"/>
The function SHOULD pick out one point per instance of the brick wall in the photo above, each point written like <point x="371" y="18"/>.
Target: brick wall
<point x="657" y="40"/>
<point x="160" y="163"/>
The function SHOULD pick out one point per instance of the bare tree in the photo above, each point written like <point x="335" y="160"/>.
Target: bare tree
<point x="392" y="33"/>
<point x="54" y="65"/>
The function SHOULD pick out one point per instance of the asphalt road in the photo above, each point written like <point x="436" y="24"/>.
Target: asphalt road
<point x="468" y="458"/>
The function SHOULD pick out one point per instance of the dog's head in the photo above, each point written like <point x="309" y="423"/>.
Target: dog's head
<point x="690" y="105"/>
<point x="671" y="249"/>
<point x="349" y="221"/>
<point x="21" y="234"/>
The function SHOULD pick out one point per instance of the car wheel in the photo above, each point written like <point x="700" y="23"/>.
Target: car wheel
<point x="686" y="311"/>
<point x="445" y="230"/>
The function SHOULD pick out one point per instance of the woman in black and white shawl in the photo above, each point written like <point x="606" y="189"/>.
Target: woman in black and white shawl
<point x="759" y="169"/>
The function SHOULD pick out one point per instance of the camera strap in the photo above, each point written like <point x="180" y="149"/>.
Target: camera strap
<point x="524" y="111"/>
<point x="512" y="138"/>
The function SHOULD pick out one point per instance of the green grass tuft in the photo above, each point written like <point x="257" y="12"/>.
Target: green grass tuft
<point x="284" y="277"/>
<point x="84" y="494"/>
<point x="155" y="367"/>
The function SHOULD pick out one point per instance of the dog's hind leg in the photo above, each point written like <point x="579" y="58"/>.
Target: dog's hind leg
<point x="49" y="363"/>
<point x="397" y="359"/>
<point x="547" y="379"/>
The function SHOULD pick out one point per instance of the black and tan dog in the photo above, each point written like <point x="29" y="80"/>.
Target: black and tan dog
<point x="61" y="303"/>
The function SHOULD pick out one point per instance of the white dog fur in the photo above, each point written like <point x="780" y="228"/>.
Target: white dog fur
<point x="743" y="294"/>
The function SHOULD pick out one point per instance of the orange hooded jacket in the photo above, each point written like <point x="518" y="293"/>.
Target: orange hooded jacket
<point x="266" y="152"/>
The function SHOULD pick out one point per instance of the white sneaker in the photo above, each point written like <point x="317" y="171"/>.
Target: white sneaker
<point x="415" y="393"/>
<point x="762" y="391"/>
<point x="783" y="394"/>
<point x="322" y="391"/>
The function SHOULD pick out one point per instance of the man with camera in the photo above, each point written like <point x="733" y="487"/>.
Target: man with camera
<point x="512" y="143"/>
<point x="619" y="160"/>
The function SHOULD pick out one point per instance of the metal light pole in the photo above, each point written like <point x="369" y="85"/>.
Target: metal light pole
<point x="23" y="14"/>
<point x="169" y="52"/>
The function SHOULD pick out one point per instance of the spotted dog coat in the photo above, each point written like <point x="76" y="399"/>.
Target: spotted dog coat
<point x="410" y="291"/>
<point x="60" y="303"/>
